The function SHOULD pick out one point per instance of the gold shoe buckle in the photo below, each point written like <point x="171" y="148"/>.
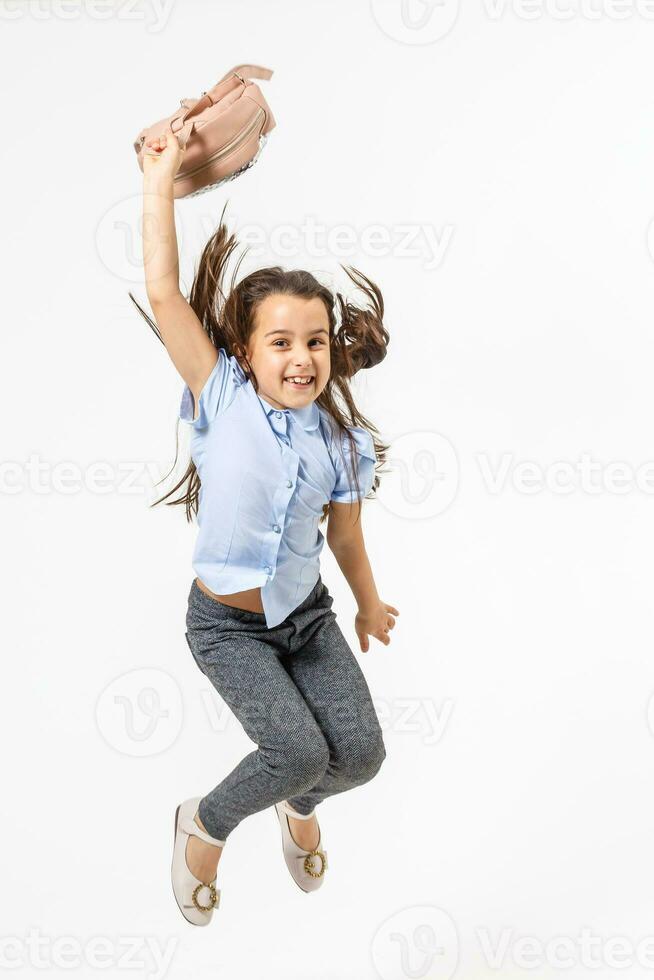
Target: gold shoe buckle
<point x="309" y="866"/>
<point x="212" y="897"/>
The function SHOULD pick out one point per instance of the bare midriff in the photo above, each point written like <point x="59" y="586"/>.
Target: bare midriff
<point x="249" y="599"/>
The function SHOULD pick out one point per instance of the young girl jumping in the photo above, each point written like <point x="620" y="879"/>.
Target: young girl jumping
<point x="273" y="456"/>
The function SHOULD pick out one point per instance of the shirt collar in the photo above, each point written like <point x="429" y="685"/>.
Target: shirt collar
<point x="307" y="416"/>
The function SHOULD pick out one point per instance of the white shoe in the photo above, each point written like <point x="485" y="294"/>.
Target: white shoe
<point x="196" y="899"/>
<point x="307" y="867"/>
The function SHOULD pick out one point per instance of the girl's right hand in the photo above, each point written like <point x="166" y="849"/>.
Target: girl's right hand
<point x="162" y="155"/>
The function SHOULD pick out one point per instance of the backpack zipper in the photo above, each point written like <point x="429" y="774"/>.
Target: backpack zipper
<point x="225" y="150"/>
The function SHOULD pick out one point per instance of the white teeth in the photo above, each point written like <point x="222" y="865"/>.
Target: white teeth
<point x="302" y="381"/>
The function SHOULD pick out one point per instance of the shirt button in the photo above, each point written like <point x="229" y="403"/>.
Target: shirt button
<point x="276" y="528"/>
<point x="289" y="483"/>
<point x="278" y="414"/>
<point x="268" y="569"/>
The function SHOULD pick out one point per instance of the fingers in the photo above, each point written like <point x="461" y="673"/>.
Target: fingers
<point x="382" y="633"/>
<point x="157" y="142"/>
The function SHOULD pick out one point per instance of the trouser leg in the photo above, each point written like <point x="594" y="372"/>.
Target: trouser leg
<point x="292" y="752"/>
<point x="328" y="675"/>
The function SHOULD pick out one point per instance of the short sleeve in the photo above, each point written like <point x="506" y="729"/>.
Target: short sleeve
<point x="214" y="397"/>
<point x="345" y="488"/>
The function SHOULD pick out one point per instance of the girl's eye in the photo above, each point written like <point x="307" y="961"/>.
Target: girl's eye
<point x="316" y="340"/>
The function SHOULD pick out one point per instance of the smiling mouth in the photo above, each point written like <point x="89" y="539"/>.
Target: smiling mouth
<point x="305" y="383"/>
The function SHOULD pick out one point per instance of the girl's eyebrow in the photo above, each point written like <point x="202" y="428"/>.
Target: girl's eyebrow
<point x="318" y="330"/>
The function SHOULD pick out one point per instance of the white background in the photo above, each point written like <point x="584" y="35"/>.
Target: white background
<point x="516" y="796"/>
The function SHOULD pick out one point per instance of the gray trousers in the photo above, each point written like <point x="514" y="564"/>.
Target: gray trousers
<point x="299" y="693"/>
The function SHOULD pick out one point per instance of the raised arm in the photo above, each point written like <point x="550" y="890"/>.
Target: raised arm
<point x="186" y="340"/>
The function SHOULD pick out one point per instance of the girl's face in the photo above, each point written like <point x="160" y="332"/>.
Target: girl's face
<point x="291" y="339"/>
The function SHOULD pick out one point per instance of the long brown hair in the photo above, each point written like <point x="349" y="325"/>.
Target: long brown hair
<point x="229" y="320"/>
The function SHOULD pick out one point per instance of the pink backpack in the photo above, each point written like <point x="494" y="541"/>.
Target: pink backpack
<point x="224" y="131"/>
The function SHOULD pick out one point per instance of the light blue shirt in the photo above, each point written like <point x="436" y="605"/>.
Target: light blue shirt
<point x="265" y="475"/>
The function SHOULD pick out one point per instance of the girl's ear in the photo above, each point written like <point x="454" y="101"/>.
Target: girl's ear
<point x="240" y="356"/>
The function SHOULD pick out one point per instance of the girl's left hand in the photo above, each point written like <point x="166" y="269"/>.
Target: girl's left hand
<point x="376" y="621"/>
<point x="163" y="155"/>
